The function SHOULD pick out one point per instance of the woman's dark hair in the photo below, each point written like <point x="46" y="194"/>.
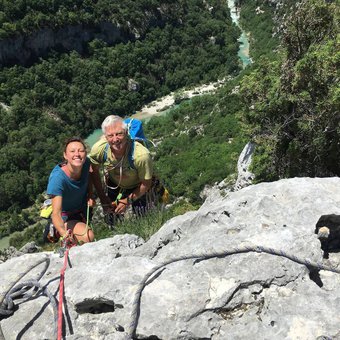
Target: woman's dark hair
<point x="74" y="139"/>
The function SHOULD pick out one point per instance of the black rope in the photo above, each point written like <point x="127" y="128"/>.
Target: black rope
<point x="6" y="301"/>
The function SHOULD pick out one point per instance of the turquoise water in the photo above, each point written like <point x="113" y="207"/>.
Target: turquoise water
<point x="243" y="52"/>
<point x="93" y="137"/>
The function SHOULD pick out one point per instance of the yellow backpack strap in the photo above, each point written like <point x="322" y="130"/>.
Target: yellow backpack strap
<point x="46" y="209"/>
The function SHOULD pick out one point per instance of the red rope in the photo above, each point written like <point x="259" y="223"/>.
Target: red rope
<point x="61" y="296"/>
<point x="67" y="242"/>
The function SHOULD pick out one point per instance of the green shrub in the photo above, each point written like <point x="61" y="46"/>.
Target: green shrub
<point x="144" y="226"/>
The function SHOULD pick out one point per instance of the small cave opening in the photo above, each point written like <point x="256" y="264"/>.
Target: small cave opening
<point x="96" y="307"/>
<point x="328" y="230"/>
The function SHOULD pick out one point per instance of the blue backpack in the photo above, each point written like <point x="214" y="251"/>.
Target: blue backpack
<point x="136" y="133"/>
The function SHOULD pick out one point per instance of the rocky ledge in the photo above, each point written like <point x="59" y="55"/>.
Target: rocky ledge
<point x="246" y="294"/>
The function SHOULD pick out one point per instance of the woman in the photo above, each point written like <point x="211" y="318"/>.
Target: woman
<point x="68" y="187"/>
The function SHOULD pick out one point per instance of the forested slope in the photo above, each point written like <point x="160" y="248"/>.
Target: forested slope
<point x="70" y="94"/>
<point x="21" y="17"/>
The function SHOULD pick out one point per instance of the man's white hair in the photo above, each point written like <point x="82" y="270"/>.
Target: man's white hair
<point x="113" y="120"/>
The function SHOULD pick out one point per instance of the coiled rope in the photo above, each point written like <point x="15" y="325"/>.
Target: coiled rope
<point x="21" y="288"/>
<point x="207" y="255"/>
<point x="6" y="298"/>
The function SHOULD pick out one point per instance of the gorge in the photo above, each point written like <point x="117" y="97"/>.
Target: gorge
<point x="160" y="105"/>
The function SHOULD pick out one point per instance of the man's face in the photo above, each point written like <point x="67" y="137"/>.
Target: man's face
<point x="116" y="137"/>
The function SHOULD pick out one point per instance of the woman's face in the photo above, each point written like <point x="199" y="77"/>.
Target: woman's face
<point x="75" y="154"/>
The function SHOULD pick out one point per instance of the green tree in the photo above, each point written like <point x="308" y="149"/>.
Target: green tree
<point x="294" y="107"/>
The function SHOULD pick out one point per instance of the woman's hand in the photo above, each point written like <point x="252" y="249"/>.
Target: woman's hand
<point x="91" y="202"/>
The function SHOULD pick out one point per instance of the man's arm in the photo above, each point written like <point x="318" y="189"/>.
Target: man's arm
<point x="143" y="187"/>
<point x="144" y="165"/>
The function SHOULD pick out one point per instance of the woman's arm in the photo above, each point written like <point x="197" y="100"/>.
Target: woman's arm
<point x="57" y="220"/>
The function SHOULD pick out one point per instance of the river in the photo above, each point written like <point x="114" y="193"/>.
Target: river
<point x="243" y="52"/>
<point x="160" y="106"/>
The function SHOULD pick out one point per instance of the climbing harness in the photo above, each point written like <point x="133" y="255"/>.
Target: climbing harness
<point x="131" y="330"/>
<point x="52" y="235"/>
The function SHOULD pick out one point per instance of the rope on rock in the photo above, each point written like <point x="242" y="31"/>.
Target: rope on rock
<point x="6" y="299"/>
<point x="61" y="297"/>
<point x="21" y="289"/>
<point x="6" y="293"/>
<point x="207" y="255"/>
<point x="18" y="290"/>
<point x="67" y="243"/>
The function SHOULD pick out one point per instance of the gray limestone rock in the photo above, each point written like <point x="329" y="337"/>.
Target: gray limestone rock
<point x="29" y="247"/>
<point x="9" y="253"/>
<point x="243" y="295"/>
<point x="244" y="176"/>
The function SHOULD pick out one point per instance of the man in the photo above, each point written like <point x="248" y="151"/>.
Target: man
<point x="126" y="185"/>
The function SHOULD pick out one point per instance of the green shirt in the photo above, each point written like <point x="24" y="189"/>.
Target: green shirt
<point x="130" y="177"/>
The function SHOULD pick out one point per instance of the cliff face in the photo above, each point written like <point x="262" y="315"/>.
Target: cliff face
<point x="240" y="295"/>
<point x="25" y="49"/>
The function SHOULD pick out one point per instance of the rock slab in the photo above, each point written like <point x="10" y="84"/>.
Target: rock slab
<point x="246" y="295"/>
